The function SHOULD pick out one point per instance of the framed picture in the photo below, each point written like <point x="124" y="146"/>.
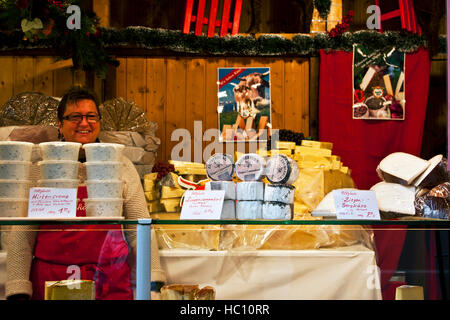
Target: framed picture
<point x="378" y="84"/>
<point x="244" y="104"/>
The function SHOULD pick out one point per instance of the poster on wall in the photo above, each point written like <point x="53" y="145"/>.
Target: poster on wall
<point x="378" y="84"/>
<point x="244" y="103"/>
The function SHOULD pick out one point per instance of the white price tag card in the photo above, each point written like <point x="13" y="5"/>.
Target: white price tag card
<point x="202" y="205"/>
<point x="52" y="203"/>
<point x="356" y="205"/>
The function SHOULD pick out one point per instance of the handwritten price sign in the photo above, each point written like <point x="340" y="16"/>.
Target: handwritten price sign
<point x="52" y="203"/>
<point x="202" y="204"/>
<point x="356" y="205"/>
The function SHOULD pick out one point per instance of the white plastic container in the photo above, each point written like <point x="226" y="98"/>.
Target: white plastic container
<point x="59" y="183"/>
<point x="103" y="151"/>
<point x="58" y="169"/>
<point x="102" y="207"/>
<point x="14" y="207"/>
<point x="15" y="170"/>
<point x="16" y="150"/>
<point x="104" y="188"/>
<point x="14" y="188"/>
<point x="60" y="150"/>
<point x="103" y="170"/>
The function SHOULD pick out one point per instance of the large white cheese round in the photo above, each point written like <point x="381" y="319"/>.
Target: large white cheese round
<point x="277" y="211"/>
<point x="250" y="167"/>
<point x="228" y="210"/>
<point x="220" y="167"/>
<point x="249" y="210"/>
<point x="279" y="193"/>
<point x="250" y="190"/>
<point x="281" y="169"/>
<point x="228" y="186"/>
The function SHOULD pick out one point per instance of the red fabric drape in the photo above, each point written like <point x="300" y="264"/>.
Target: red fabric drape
<point x="362" y="144"/>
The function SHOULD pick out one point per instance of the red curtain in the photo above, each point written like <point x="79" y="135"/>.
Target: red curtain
<point x="362" y="144"/>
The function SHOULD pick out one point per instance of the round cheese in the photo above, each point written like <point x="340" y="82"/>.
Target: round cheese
<point x="250" y="167"/>
<point x="250" y="190"/>
<point x="281" y="169"/>
<point x="228" y="210"/>
<point x="220" y="167"/>
<point x="276" y="211"/>
<point x="249" y="210"/>
<point x="228" y="186"/>
<point x="279" y="193"/>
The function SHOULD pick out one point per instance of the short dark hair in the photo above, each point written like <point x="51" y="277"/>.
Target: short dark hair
<point x="76" y="94"/>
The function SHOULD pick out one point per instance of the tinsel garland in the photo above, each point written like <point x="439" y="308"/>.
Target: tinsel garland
<point x="240" y="45"/>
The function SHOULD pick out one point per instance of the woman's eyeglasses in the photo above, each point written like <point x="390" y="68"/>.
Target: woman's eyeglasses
<point x="78" y="117"/>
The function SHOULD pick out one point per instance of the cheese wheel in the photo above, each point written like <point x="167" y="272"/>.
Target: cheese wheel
<point x="220" y="167"/>
<point x="250" y="167"/>
<point x="281" y="169"/>
<point x="228" y="186"/>
<point x="249" y="210"/>
<point x="250" y="190"/>
<point x="277" y="211"/>
<point x="283" y="193"/>
<point x="228" y="210"/>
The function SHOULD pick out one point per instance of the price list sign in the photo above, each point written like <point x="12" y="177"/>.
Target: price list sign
<point x="356" y="205"/>
<point x="202" y="204"/>
<point x="52" y="203"/>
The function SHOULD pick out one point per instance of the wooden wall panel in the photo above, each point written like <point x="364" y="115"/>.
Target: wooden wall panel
<point x="6" y="78"/>
<point x="137" y="82"/>
<point x="23" y="76"/>
<point x="156" y="99"/>
<point x="43" y="79"/>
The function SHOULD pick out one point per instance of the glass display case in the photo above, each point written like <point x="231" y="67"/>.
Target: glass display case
<point x="240" y="259"/>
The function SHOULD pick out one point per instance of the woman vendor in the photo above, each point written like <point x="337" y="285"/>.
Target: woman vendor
<point x="103" y="253"/>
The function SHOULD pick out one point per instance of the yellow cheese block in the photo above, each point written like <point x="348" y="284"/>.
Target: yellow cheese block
<point x="165" y="216"/>
<point x="69" y="290"/>
<point x="188" y="236"/>
<point x="154" y="206"/>
<point x="313" y="164"/>
<point x="286" y="152"/>
<point x="303" y="150"/>
<point x="285" y="145"/>
<point x="191" y="170"/>
<point x="152" y="195"/>
<point x="335" y="158"/>
<point x="314" y="158"/>
<point x="317" y="144"/>
<point x="151" y="176"/>
<point x="169" y="192"/>
<point x="171" y="205"/>
<point x="406" y="292"/>
<point x="237" y="155"/>
<point x="184" y="164"/>
<point x="344" y="170"/>
<point x="150" y="185"/>
<point x="263" y="153"/>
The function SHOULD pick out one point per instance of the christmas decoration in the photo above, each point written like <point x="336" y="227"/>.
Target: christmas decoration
<point x="340" y="28"/>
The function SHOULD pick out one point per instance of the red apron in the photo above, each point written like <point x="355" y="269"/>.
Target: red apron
<point x="98" y="253"/>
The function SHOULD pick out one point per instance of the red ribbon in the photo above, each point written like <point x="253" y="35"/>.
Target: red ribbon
<point x="359" y="96"/>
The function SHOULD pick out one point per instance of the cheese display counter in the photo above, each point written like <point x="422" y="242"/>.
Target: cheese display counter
<point x="339" y="270"/>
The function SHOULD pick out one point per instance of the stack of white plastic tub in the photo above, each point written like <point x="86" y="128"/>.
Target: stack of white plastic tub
<point x="104" y="183"/>
<point x="15" y="166"/>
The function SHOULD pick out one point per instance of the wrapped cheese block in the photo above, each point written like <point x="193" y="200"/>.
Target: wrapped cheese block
<point x="220" y="167"/>
<point x="250" y="167"/>
<point x="281" y="169"/>
<point x="172" y="292"/>
<point x="70" y="290"/>
<point x="228" y="210"/>
<point x="394" y="199"/>
<point x="435" y="174"/>
<point x="192" y="237"/>
<point x="206" y="293"/>
<point x="187" y="292"/>
<point x="402" y="168"/>
<point x="250" y="190"/>
<point x="228" y="186"/>
<point x="433" y="207"/>
<point x="442" y="190"/>
<point x="277" y="211"/>
<point x="279" y="193"/>
<point x="249" y="210"/>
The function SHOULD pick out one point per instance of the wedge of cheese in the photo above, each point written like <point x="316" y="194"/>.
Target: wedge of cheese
<point x="395" y="199"/>
<point x="154" y="206"/>
<point x="304" y="150"/>
<point x="317" y="144"/>
<point x="401" y="167"/>
<point x="152" y="195"/>
<point x="150" y="185"/>
<point x="288" y="145"/>
<point x="171" y="205"/>
<point x="169" y="192"/>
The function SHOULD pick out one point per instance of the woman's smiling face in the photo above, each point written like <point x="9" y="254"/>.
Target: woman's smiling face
<point x="82" y="131"/>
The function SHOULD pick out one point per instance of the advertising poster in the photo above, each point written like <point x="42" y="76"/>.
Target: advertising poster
<point x="378" y="84"/>
<point x="244" y="103"/>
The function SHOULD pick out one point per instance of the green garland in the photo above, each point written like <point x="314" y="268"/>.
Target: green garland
<point x="240" y="45"/>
